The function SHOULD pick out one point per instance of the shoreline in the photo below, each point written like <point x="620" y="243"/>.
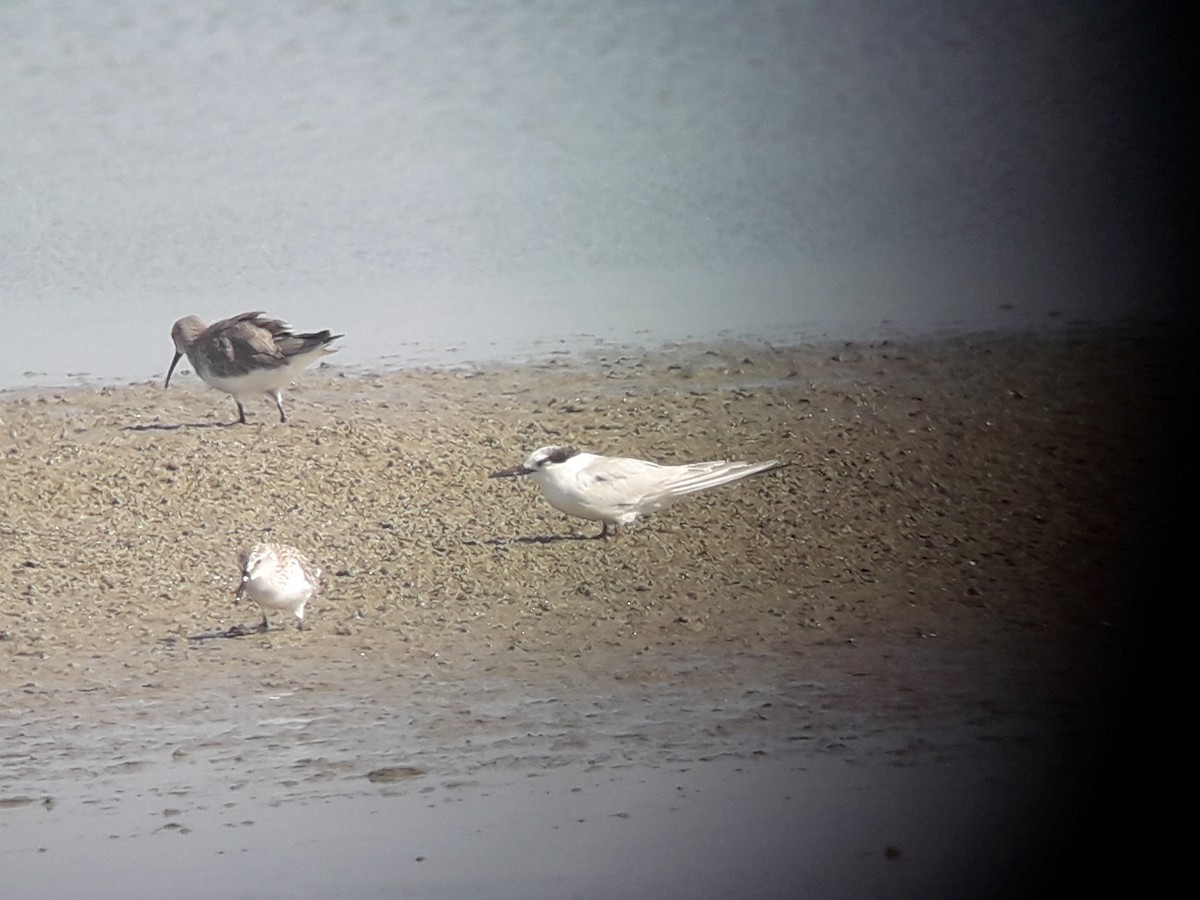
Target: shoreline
<point x="582" y="349"/>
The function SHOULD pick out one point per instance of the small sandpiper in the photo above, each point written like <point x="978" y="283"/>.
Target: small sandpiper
<point x="247" y="354"/>
<point x="277" y="577"/>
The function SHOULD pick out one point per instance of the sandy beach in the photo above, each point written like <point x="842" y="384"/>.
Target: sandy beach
<point x="898" y="664"/>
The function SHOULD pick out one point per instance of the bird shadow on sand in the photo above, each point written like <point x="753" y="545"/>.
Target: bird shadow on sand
<point x="180" y="426"/>
<point x="233" y="631"/>
<point x="533" y="539"/>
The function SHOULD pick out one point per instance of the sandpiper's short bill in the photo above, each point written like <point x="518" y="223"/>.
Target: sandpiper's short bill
<point x="616" y="490"/>
<point x="278" y="578"/>
<point x="247" y="355"/>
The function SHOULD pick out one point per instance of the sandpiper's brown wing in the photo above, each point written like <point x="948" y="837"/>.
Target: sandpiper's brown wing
<point x="242" y="344"/>
<point x="311" y="573"/>
<point x="299" y="344"/>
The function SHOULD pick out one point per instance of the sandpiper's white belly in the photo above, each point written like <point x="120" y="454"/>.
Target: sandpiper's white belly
<point x="255" y="381"/>
<point x="284" y="588"/>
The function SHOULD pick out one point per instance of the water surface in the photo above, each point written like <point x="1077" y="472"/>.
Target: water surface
<point x="485" y="180"/>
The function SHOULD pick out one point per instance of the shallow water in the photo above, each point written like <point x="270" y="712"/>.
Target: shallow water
<point x="489" y="181"/>
<point x="483" y="788"/>
<point x="762" y="827"/>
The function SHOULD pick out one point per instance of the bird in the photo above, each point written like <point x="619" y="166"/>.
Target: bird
<point x="277" y="577"/>
<point x="615" y="490"/>
<point x="247" y="354"/>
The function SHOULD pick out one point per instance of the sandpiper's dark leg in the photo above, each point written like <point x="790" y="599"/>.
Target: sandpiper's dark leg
<point x="278" y="397"/>
<point x="603" y="531"/>
<point x="299" y="624"/>
<point x="262" y="627"/>
<point x="241" y="411"/>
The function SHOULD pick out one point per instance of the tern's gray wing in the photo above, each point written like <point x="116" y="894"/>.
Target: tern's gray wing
<point x="679" y="481"/>
<point x="618" y="483"/>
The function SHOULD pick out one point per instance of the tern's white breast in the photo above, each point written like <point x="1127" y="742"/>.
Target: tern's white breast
<point x="579" y="489"/>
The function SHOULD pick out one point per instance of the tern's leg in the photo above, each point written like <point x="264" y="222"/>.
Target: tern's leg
<point x="262" y="626"/>
<point x="299" y="624"/>
<point x="241" y="411"/>
<point x="277" y="396"/>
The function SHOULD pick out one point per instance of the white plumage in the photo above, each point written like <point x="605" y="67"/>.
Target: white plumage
<point x="278" y="578"/>
<point x="617" y="490"/>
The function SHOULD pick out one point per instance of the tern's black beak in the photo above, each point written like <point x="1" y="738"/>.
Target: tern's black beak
<point x="511" y="472"/>
<point x="172" y="369"/>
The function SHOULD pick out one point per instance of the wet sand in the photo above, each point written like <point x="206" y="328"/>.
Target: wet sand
<point x="902" y="663"/>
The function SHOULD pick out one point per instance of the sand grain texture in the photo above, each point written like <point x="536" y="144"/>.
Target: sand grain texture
<point x="949" y="544"/>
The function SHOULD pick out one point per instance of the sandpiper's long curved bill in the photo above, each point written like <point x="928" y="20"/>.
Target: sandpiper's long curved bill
<point x="178" y="355"/>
